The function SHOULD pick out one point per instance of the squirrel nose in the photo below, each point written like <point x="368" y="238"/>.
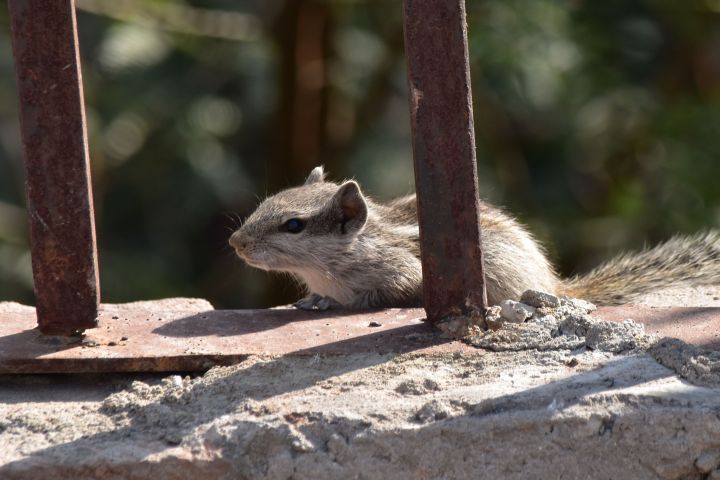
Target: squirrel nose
<point x="237" y="241"/>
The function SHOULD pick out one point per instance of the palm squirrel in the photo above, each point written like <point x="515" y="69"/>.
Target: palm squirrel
<point x="353" y="252"/>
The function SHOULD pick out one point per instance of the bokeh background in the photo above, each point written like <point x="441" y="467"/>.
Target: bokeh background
<point x="597" y="123"/>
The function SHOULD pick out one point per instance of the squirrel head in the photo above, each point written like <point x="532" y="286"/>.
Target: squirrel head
<point x="296" y="229"/>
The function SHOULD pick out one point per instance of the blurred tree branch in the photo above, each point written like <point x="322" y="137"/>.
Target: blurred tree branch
<point x="176" y="18"/>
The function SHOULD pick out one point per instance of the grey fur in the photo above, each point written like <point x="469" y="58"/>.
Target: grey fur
<point x="317" y="175"/>
<point x="352" y="255"/>
<point x="358" y="253"/>
<point x="681" y="261"/>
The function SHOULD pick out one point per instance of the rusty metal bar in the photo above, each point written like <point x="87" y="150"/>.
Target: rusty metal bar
<point x="444" y="153"/>
<point x="60" y="206"/>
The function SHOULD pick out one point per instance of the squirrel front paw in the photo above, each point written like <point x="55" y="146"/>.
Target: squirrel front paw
<point x="317" y="302"/>
<point x="307" y="303"/>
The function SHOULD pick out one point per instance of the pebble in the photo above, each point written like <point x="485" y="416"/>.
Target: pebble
<point x="707" y="461"/>
<point x="516" y="312"/>
<point x="538" y="299"/>
<point x="433" y="411"/>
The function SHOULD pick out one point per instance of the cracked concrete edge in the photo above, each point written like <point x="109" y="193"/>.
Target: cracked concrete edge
<point x="665" y="430"/>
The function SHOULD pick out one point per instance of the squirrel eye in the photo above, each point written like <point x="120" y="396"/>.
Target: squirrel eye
<point x="294" y="225"/>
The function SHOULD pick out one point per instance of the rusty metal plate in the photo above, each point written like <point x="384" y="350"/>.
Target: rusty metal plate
<point x="695" y="325"/>
<point x="444" y="155"/>
<point x="144" y="340"/>
<point x="147" y="341"/>
<point x="60" y="207"/>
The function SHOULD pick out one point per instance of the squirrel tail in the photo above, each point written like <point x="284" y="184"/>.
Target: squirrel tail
<point x="681" y="261"/>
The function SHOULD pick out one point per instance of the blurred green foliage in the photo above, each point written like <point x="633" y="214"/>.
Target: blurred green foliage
<point x="597" y="123"/>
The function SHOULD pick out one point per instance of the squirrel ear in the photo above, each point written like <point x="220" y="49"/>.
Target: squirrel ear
<point x="316" y="176"/>
<point x="351" y="204"/>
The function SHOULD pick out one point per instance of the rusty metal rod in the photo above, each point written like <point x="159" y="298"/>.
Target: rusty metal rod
<point x="444" y="152"/>
<point x="59" y="197"/>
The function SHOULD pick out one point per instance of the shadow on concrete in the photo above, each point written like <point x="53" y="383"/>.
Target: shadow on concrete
<point x="71" y="387"/>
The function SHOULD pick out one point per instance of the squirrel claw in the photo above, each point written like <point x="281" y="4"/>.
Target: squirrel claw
<point x="327" y="303"/>
<point x="307" y="303"/>
<point x="316" y="302"/>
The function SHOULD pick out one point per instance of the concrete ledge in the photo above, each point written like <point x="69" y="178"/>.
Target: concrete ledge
<point x="497" y="415"/>
<point x="374" y="404"/>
